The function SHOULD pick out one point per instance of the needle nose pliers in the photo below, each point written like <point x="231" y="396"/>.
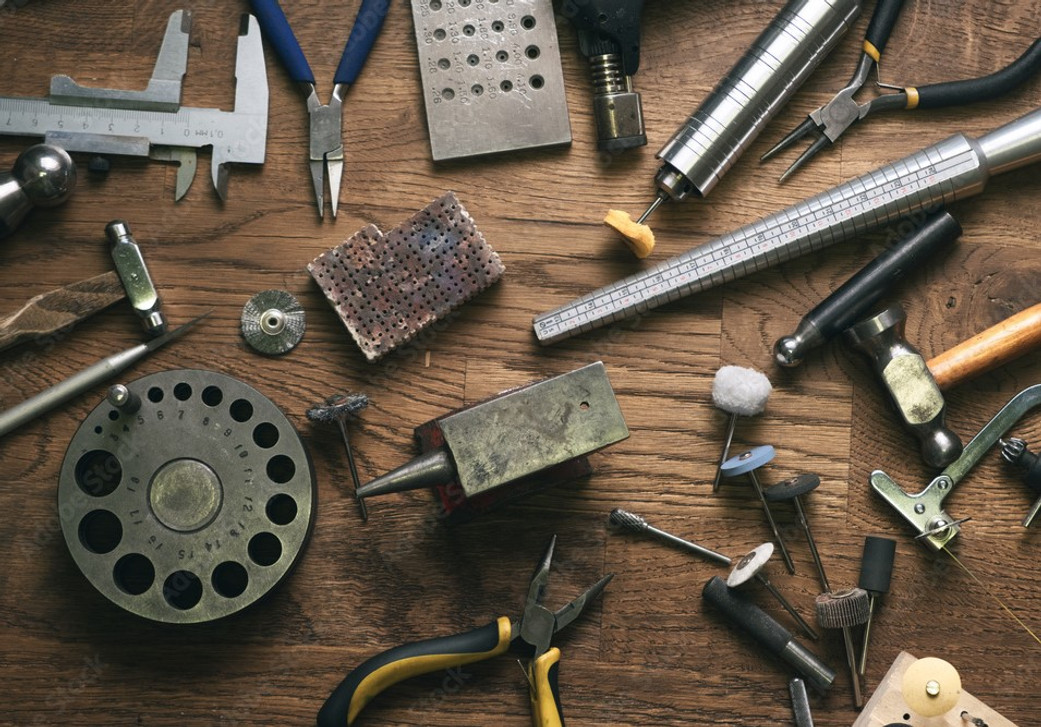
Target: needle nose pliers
<point x="326" y="136"/>
<point x="831" y="120"/>
<point x="531" y="633"/>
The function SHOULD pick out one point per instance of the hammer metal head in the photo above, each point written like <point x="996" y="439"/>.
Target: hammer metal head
<point x="910" y="384"/>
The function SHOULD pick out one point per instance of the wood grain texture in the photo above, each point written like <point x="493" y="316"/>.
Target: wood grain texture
<point x="650" y="653"/>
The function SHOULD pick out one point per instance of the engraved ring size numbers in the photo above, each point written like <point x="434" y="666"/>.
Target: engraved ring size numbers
<point x="194" y="506"/>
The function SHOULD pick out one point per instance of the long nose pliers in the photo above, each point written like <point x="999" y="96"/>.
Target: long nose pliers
<point x="531" y="633"/>
<point x="828" y="122"/>
<point x="326" y="135"/>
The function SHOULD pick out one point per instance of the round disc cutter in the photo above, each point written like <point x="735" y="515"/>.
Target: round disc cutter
<point x="273" y="322"/>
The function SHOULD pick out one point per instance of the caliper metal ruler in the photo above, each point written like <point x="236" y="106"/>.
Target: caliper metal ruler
<point x="955" y="168"/>
<point x="153" y="122"/>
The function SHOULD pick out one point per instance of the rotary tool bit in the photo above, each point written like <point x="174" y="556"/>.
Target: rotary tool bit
<point x="273" y="322"/>
<point x="739" y="391"/>
<point x="876" y="571"/>
<point x="635" y="524"/>
<point x="747" y="463"/>
<point x="341" y="408"/>
<point x="844" y="610"/>
<point x="771" y="635"/>
<point x="130" y="264"/>
<point x="792" y="489"/>
<point x="751" y="566"/>
<point x="1015" y="452"/>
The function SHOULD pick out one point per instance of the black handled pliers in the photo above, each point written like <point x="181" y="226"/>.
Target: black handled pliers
<point x="530" y="633"/>
<point x="832" y="119"/>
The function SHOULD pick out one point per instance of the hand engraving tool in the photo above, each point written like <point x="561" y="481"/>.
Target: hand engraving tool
<point x="130" y="264"/>
<point x="42" y="176"/>
<point x="520" y="441"/>
<point x="771" y="635"/>
<point x="153" y="123"/>
<point x="194" y="506"/>
<point x="273" y="322"/>
<point x="1015" y="452"/>
<point x="800" y="703"/>
<point x="914" y="385"/>
<point x="342" y="408"/>
<point x="737" y="391"/>
<point x="635" y="524"/>
<point x="876" y="570"/>
<point x="953" y="169"/>
<point x="751" y="566"/>
<point x="844" y="610"/>
<point x="860" y="293"/>
<point x="609" y="36"/>
<point x="828" y="122"/>
<point x="531" y="633"/>
<point x="84" y="380"/>
<point x="779" y="61"/>
<point x="792" y="489"/>
<point x="747" y="463"/>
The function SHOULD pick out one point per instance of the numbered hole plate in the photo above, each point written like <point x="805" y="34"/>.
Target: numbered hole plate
<point x="194" y="506"/>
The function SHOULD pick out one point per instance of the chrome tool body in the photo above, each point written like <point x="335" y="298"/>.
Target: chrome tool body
<point x="749" y="96"/>
<point x="326" y="127"/>
<point x="531" y="634"/>
<point x="130" y="265"/>
<point x="43" y="176"/>
<point x="943" y="173"/>
<point x="828" y="122"/>
<point x="153" y="123"/>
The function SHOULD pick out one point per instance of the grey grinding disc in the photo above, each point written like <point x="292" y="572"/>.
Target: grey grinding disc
<point x="273" y="322"/>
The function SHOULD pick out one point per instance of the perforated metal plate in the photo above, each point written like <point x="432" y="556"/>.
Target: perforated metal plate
<point x="192" y="507"/>
<point x="491" y="76"/>
<point x="388" y="287"/>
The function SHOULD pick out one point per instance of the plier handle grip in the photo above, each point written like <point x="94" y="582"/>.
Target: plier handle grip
<point x="828" y="122"/>
<point x="531" y="632"/>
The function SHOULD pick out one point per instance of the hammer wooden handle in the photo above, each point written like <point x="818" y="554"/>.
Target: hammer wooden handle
<point x="997" y="345"/>
<point x="48" y="313"/>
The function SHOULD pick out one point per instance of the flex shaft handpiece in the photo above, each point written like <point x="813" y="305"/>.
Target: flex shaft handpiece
<point x="953" y="169"/>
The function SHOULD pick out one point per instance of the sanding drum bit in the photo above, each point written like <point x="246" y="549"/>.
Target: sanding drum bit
<point x="845" y="610"/>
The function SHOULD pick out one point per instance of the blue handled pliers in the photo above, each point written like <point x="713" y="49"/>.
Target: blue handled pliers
<point x="326" y="120"/>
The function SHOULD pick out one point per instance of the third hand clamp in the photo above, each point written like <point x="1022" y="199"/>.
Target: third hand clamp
<point x="924" y="510"/>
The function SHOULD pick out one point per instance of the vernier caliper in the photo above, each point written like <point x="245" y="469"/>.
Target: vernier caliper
<point x="153" y="123"/>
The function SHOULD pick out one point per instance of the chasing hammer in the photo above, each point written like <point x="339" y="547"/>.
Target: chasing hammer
<point x="859" y="294"/>
<point x="915" y="384"/>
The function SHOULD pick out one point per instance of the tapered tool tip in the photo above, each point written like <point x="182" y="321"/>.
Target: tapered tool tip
<point x="427" y="470"/>
<point x="639" y="237"/>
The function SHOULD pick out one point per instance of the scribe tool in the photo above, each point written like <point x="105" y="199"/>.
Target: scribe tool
<point x="953" y="169"/>
<point x="83" y="380"/>
<point x="532" y="632"/>
<point x="326" y="127"/>
<point x="828" y="122"/>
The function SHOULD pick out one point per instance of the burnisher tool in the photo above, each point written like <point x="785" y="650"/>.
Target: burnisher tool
<point x="739" y="391"/>
<point x="876" y="571"/>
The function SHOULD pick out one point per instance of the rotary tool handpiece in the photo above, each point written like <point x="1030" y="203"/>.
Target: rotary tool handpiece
<point x="772" y="635"/>
<point x="857" y="295"/>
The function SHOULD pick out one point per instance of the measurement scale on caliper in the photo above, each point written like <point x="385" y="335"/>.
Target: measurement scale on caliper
<point x="953" y="169"/>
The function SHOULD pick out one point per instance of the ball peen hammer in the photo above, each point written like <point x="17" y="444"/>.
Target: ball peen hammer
<point x="915" y="385"/>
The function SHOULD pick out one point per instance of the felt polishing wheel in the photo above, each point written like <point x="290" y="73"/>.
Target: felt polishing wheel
<point x="931" y="687"/>
<point x="747" y="568"/>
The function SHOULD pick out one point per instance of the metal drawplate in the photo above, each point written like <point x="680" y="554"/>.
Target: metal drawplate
<point x="924" y="510"/>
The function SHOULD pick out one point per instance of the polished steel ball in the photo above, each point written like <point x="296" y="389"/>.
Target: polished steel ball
<point x="46" y="173"/>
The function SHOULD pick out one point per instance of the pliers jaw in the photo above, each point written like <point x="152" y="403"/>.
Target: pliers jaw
<point x="326" y="145"/>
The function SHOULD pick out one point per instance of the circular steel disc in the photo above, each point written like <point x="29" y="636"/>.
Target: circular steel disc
<point x="194" y="506"/>
<point x="273" y="322"/>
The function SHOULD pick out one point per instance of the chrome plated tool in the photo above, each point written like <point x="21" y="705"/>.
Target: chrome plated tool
<point x="828" y="122"/>
<point x="491" y="76"/>
<point x="747" y="463"/>
<point x="273" y="322"/>
<point x="774" y="637"/>
<point x="130" y="265"/>
<point x="780" y="60"/>
<point x="876" y="571"/>
<point x="341" y="408"/>
<point x="192" y="507"/>
<point x="521" y="441"/>
<point x="953" y="169"/>
<point x="326" y="127"/>
<point x="86" y="379"/>
<point x="532" y="632"/>
<point x="924" y="510"/>
<point x="1015" y="452"/>
<point x="635" y="524"/>
<point x="153" y="123"/>
<point x="43" y="176"/>
<point x="751" y="566"/>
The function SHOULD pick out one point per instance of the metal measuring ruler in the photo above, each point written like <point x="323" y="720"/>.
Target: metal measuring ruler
<point x="153" y="123"/>
<point x="937" y="175"/>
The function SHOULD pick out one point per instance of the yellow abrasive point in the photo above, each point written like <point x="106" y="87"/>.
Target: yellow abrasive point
<point x="639" y="237"/>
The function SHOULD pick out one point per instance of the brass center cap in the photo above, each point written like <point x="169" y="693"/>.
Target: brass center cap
<point x="185" y="495"/>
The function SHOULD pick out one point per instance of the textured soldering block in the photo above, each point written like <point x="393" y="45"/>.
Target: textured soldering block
<point x="387" y="287"/>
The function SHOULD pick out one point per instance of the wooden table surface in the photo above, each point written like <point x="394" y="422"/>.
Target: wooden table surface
<point x="650" y="653"/>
